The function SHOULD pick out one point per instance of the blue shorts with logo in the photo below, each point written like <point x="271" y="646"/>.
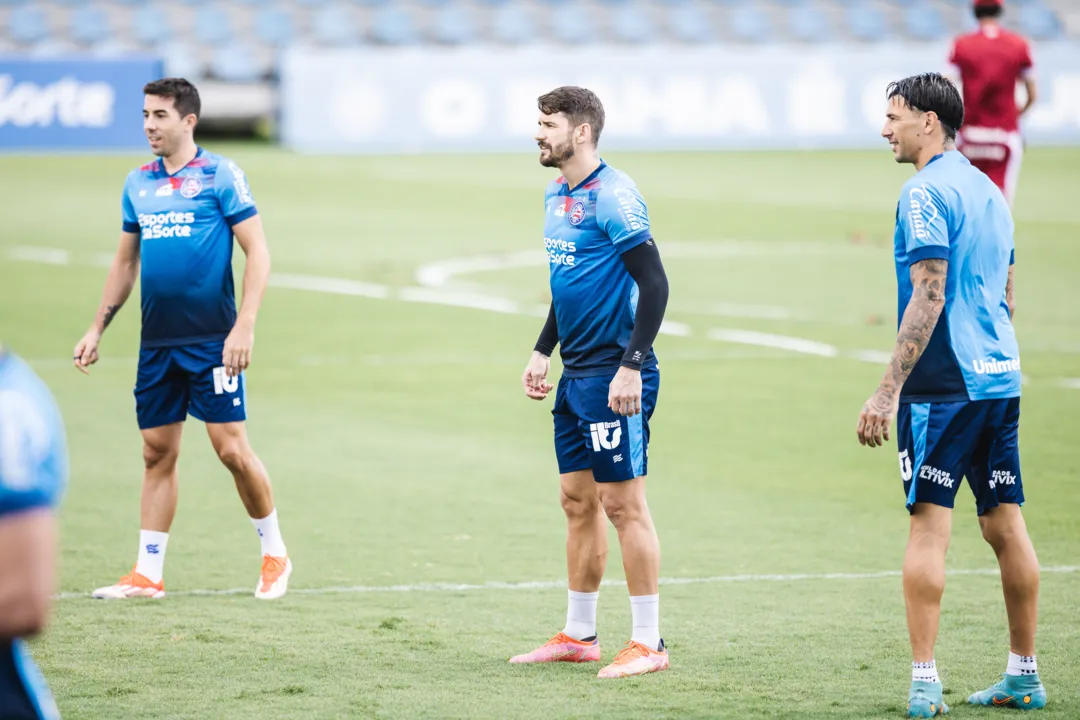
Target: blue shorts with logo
<point x="590" y="436"/>
<point x="175" y="381"/>
<point x="942" y="443"/>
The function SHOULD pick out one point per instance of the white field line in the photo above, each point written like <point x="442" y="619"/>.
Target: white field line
<point x="782" y="342"/>
<point x="446" y="587"/>
<point x="433" y="275"/>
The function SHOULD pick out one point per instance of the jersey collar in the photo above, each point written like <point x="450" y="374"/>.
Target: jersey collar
<point x="163" y="171"/>
<point x="586" y="181"/>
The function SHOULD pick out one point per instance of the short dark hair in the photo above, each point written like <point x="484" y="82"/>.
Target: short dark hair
<point x="578" y="104"/>
<point x="988" y="11"/>
<point x="185" y="96"/>
<point x="931" y="92"/>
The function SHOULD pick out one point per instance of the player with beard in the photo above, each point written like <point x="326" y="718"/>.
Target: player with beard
<point x="609" y="292"/>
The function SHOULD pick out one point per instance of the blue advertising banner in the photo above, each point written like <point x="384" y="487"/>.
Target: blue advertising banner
<point x="73" y="104"/>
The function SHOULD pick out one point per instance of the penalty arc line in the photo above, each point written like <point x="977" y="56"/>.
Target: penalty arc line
<point x="444" y="587"/>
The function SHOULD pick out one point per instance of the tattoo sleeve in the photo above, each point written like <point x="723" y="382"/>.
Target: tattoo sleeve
<point x="920" y="319"/>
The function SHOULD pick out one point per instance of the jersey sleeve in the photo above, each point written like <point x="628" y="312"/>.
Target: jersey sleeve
<point x="130" y="221"/>
<point x="622" y="214"/>
<point x="1026" y="63"/>
<point x="923" y="219"/>
<point x="233" y="193"/>
<point x="20" y="487"/>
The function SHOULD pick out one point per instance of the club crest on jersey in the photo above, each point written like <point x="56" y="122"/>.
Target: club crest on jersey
<point x="576" y="213"/>
<point x="191" y="186"/>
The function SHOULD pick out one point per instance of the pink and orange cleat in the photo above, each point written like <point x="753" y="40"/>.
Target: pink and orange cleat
<point x="274" y="578"/>
<point x="562" y="648"/>
<point x="636" y="659"/>
<point x="132" y="585"/>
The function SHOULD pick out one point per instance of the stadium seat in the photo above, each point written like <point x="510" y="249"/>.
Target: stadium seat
<point x="453" y="25"/>
<point x="238" y="62"/>
<point x="393" y="25"/>
<point x="513" y="24"/>
<point x="310" y="3"/>
<point x="1039" y="22"/>
<point x="112" y="48"/>
<point x="274" y="26"/>
<point x="52" y="47"/>
<point x="866" y="22"/>
<point x="751" y="23"/>
<point x="334" y="25"/>
<point x="631" y="24"/>
<point x="808" y="23"/>
<point x="371" y="3"/>
<point x="212" y="26"/>
<point x="182" y="59"/>
<point x="27" y="25"/>
<point x="923" y="21"/>
<point x="147" y="27"/>
<point x="88" y="24"/>
<point x="690" y="23"/>
<point x="577" y="27"/>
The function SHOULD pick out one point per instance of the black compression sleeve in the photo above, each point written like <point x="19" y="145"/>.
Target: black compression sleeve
<point x="643" y="264"/>
<point x="549" y="336"/>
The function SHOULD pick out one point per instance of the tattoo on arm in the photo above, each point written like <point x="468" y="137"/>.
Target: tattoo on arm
<point x="920" y="319"/>
<point x="110" y="313"/>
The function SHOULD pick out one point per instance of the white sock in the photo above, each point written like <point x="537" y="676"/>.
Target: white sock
<point x="927" y="672"/>
<point x="270" y="535"/>
<point x="645" y="610"/>
<point x="151" y="562"/>
<point x="581" y="615"/>
<point x="1021" y="665"/>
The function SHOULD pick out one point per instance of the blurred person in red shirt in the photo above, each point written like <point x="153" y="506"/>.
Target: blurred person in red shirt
<point x="989" y="63"/>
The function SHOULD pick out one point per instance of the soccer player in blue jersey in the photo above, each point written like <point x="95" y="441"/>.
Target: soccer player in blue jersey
<point x="180" y="215"/>
<point x="609" y="292"/>
<point x="954" y="385"/>
<point x="33" y="475"/>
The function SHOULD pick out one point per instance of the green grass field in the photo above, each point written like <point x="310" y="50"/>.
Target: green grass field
<point x="404" y="454"/>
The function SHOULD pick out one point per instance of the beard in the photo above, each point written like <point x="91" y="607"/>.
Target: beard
<point x="557" y="155"/>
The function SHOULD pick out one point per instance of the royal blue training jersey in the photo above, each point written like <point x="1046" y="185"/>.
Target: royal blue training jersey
<point x="185" y="224"/>
<point x="952" y="211"/>
<point x="586" y="231"/>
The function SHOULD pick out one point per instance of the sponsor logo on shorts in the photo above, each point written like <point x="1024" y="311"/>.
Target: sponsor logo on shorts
<point x="936" y="476"/>
<point x="601" y="440"/>
<point x="1002" y="477"/>
<point x="990" y="366"/>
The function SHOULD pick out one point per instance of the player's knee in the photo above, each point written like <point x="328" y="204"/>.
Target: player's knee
<point x="235" y="456"/>
<point x="579" y="505"/>
<point x="1000" y="528"/>
<point x="622" y="511"/>
<point x="157" y="456"/>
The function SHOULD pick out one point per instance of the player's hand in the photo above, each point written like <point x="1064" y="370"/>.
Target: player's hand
<point x="534" y="379"/>
<point x="876" y="418"/>
<point x="237" y="353"/>
<point x="86" y="351"/>
<point x="624" y="393"/>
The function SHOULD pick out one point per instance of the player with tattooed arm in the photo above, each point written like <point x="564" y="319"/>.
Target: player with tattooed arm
<point x="953" y="384"/>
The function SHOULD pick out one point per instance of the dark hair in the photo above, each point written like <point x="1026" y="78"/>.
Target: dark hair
<point x="578" y="104"/>
<point x="931" y="92"/>
<point x="988" y="11"/>
<point x="185" y="96"/>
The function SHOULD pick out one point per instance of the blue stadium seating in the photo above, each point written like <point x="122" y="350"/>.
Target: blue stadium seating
<point x="88" y="24"/>
<point x="112" y="27"/>
<point x="631" y="24"/>
<point x="690" y="23"/>
<point x="808" y="23"/>
<point x="1039" y="22"/>
<point x="513" y="24"/>
<point x="923" y="21"/>
<point x="334" y="25"/>
<point x="236" y="62"/>
<point x="751" y="23"/>
<point x="393" y="25"/>
<point x="452" y="25"/>
<point x="274" y="26"/>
